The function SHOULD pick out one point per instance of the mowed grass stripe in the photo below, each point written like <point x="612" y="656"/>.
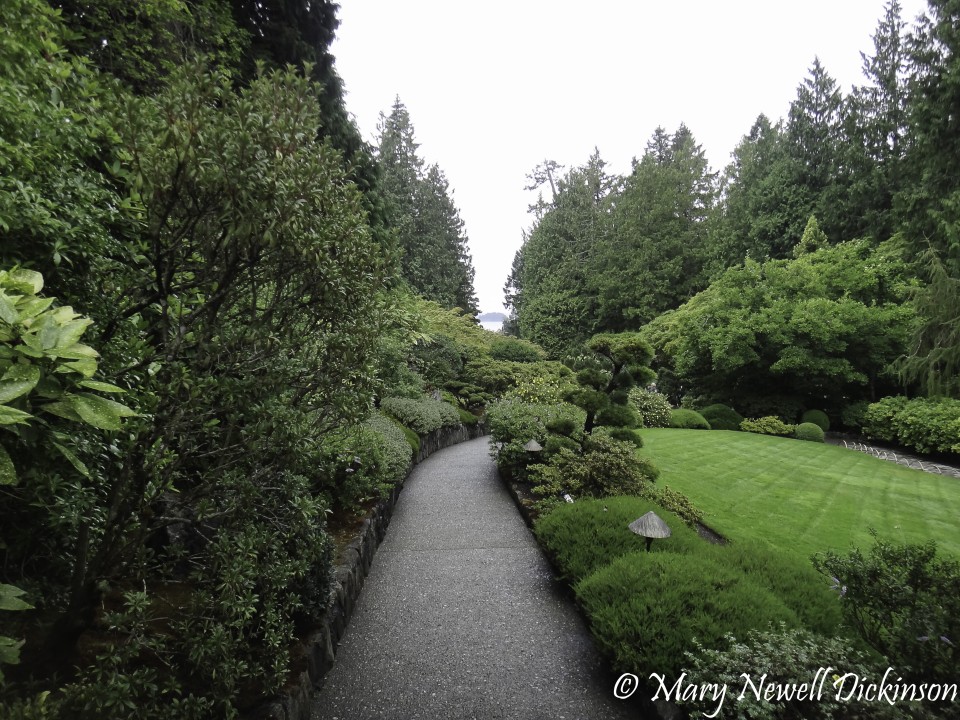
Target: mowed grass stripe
<point x="803" y="497"/>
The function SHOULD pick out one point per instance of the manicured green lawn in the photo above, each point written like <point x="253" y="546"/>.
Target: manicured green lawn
<point x="804" y="497"/>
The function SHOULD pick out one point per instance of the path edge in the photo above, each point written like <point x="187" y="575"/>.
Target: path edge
<point x="316" y="655"/>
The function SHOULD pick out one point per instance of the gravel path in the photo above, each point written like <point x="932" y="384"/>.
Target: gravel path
<point x="460" y="616"/>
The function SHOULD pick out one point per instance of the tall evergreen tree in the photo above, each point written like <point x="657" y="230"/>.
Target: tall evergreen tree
<point x="876" y="117"/>
<point x="655" y="258"/>
<point x="429" y="232"/>
<point x="930" y="198"/>
<point x="760" y="201"/>
<point x="553" y="295"/>
<point x="814" y="143"/>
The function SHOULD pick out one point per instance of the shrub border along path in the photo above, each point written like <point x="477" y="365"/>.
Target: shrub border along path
<point x="462" y="617"/>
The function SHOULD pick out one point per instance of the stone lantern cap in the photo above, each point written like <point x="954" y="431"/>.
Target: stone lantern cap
<point x="533" y="446"/>
<point x="650" y="526"/>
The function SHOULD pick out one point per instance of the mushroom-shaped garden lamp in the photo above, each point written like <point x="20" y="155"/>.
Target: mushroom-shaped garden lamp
<point x="650" y="526"/>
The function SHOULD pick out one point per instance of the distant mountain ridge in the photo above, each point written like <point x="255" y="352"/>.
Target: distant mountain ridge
<point x="492" y="317"/>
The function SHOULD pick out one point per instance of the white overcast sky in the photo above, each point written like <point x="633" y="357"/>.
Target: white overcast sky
<point x="493" y="88"/>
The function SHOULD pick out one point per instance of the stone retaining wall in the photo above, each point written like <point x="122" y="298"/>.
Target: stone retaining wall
<point x="320" y="648"/>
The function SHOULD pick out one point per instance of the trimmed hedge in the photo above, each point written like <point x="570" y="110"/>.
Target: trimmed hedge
<point x="818" y="418"/>
<point x="516" y="350"/>
<point x="769" y="425"/>
<point x="688" y="420"/>
<point x="396" y="451"/>
<point x="645" y="608"/>
<point x="423" y="415"/>
<point x="722" y="417"/>
<point x="923" y="424"/>
<point x="583" y="536"/>
<point x="810" y="432"/>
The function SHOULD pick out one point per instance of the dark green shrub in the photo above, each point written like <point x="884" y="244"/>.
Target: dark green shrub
<point x="555" y="443"/>
<point x="688" y="419"/>
<point x="467" y="418"/>
<point x="852" y="416"/>
<point x="423" y="415"/>
<point x="513" y="423"/>
<point x="564" y="425"/>
<point x="810" y="432"/>
<point x="818" y="418"/>
<point x="769" y="425"/>
<point x="438" y="361"/>
<point x="604" y="467"/>
<point x="583" y="536"/>
<point x="644" y="608"/>
<point x="904" y="601"/>
<point x="722" y="417"/>
<point x="623" y="434"/>
<point x="617" y="416"/>
<point x="786" y="407"/>
<point x="788" y="657"/>
<point x="515" y="350"/>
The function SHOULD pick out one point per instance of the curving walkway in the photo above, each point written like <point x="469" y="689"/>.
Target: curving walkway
<point x="460" y="616"/>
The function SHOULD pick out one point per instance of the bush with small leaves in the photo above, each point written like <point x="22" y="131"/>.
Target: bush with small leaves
<point x="396" y="455"/>
<point x="923" y="424"/>
<point x="423" y="415"/>
<point x="722" y="417"/>
<point x="904" y="601"/>
<point x="604" y="467"/>
<point x="652" y="407"/>
<point x="688" y="420"/>
<point x="787" y="657"/>
<point x="769" y="425"/>
<point x="514" y="423"/>
<point x="516" y="350"/>
<point x="810" y="432"/>
<point x="818" y="418"/>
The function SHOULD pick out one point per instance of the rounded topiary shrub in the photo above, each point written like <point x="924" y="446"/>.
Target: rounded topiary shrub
<point x="515" y="350"/>
<point x="809" y="431"/>
<point x="722" y="417"/>
<point x="818" y="418"/>
<point x="688" y="420"/>
<point x="652" y="407"/>
<point x="644" y="608"/>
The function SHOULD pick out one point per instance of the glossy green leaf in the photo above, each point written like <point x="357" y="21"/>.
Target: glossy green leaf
<point x="8" y="312"/>
<point x="17" y="381"/>
<point x="99" y="412"/>
<point x="12" y="416"/>
<point x="100" y="386"/>
<point x="10" y="598"/>
<point x="77" y="463"/>
<point x="29" y="281"/>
